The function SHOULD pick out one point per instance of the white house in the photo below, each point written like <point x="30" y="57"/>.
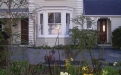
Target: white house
<point x="52" y="18"/>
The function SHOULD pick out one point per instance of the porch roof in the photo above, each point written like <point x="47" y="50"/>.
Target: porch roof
<point x="102" y="7"/>
<point x="15" y="10"/>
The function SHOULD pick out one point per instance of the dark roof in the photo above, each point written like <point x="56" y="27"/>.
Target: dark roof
<point x="15" y="10"/>
<point x="102" y="7"/>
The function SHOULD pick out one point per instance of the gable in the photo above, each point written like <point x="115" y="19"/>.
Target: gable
<point x="102" y="7"/>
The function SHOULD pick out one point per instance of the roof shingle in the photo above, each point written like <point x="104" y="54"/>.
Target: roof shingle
<point x="102" y="7"/>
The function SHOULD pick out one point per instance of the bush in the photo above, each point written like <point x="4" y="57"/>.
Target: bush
<point x="19" y="67"/>
<point x="74" y="35"/>
<point x="116" y="39"/>
<point x="3" y="45"/>
<point x="109" y="70"/>
<point x="83" y="38"/>
<point x="3" y="71"/>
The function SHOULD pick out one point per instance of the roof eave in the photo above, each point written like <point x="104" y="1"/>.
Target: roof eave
<point x="104" y="15"/>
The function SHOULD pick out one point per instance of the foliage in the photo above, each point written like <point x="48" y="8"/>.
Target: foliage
<point x="81" y="20"/>
<point x="19" y="67"/>
<point x="109" y="70"/>
<point x="36" y="69"/>
<point x="75" y="70"/>
<point x="88" y="39"/>
<point x="58" y="46"/>
<point x="74" y="35"/>
<point x="116" y="37"/>
<point x="85" y="38"/>
<point x="3" y="71"/>
<point x="3" y="43"/>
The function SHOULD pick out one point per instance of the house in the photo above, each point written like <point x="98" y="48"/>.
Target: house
<point x="107" y="15"/>
<point x="50" y="19"/>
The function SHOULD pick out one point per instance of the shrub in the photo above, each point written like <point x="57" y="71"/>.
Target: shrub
<point x="3" y="71"/>
<point x="74" y="35"/>
<point x="84" y="38"/>
<point x="3" y="45"/>
<point x="109" y="70"/>
<point x="19" y="67"/>
<point x="116" y="39"/>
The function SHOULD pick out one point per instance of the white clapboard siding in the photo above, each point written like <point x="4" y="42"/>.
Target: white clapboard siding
<point x="115" y="23"/>
<point x="51" y="41"/>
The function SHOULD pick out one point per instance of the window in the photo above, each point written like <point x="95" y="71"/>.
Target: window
<point x="88" y="24"/>
<point x="67" y="23"/>
<point x="41" y="24"/>
<point x="54" y="23"/>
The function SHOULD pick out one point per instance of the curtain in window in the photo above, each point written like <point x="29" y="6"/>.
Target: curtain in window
<point x="54" y="23"/>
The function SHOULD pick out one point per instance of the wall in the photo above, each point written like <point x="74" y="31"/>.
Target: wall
<point x="76" y="4"/>
<point x="51" y="41"/>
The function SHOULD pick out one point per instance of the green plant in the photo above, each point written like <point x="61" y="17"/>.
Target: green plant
<point x="74" y="35"/>
<point x="86" y="40"/>
<point x="3" y="71"/>
<point x="109" y="70"/>
<point x="116" y="37"/>
<point x="19" y="67"/>
<point x="75" y="70"/>
<point x="58" y="46"/>
<point x="3" y="51"/>
<point x="36" y="69"/>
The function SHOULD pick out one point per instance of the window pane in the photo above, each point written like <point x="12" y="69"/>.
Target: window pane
<point x="88" y="24"/>
<point x="67" y="18"/>
<point x="41" y="24"/>
<point x="54" y="29"/>
<point x="57" y="17"/>
<point x="41" y="18"/>
<point x="50" y="17"/>
<point x="41" y="29"/>
<point x="67" y="23"/>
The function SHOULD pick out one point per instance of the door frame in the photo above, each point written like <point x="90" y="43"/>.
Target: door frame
<point x="25" y="37"/>
<point x="100" y="35"/>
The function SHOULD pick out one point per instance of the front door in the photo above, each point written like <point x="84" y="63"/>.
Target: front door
<point x="102" y="31"/>
<point x="24" y="31"/>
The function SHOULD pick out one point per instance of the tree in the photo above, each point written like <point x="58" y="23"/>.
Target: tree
<point x="11" y="12"/>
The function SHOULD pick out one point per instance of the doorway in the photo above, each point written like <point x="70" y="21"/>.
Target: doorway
<point x="102" y="31"/>
<point x="24" y="31"/>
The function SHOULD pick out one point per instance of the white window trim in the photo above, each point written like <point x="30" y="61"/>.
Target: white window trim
<point x="39" y="32"/>
<point x="63" y="11"/>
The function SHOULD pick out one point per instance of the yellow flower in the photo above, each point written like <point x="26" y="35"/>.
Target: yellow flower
<point x="84" y="68"/>
<point x="87" y="74"/>
<point x="71" y="59"/>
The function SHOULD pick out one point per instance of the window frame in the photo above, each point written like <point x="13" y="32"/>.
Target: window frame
<point x="54" y="22"/>
<point x="87" y="23"/>
<point x="39" y="25"/>
<point x="63" y="11"/>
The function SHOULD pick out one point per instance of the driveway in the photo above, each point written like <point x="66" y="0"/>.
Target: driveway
<point x="36" y="56"/>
